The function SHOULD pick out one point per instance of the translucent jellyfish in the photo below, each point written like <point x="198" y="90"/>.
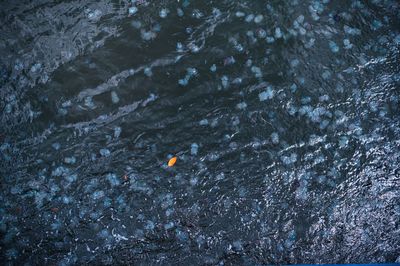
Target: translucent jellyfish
<point x="113" y="180"/>
<point x="183" y="82"/>
<point x="59" y="171"/>
<point x="147" y="35"/>
<point x="66" y="199"/>
<point x="107" y="202"/>
<point x="302" y="190"/>
<point x="56" y="146"/>
<point x="240" y="14"/>
<point x="294" y="63"/>
<point x="93" y="15"/>
<point x="224" y="81"/>
<point x="275" y="138"/>
<point x="8" y="108"/>
<point x="220" y="176"/>
<point x="343" y="141"/>
<point x="249" y="18"/>
<point x="235" y="121"/>
<point x="257" y="71"/>
<point x="62" y="111"/>
<point x="291" y="239"/>
<point x="200" y="240"/>
<point x="278" y="33"/>
<point x="179" y="47"/>
<point x="169" y="212"/>
<point x="213" y="68"/>
<point x="117" y="132"/>
<point x="230" y="60"/>
<point x="347" y="44"/>
<point x="376" y="24"/>
<point x="104" y="234"/>
<point x="293" y="157"/>
<point x="326" y="74"/>
<point x="261" y="33"/>
<point x="270" y="39"/>
<point x="132" y="10"/>
<point x="149" y="225"/>
<point x="66" y="104"/>
<point x="11" y="254"/>
<point x="70" y="160"/>
<point x="194" y="48"/>
<point x="89" y="102"/>
<point x="324" y="98"/>
<point x="105" y="152"/>
<point x="180" y="12"/>
<point x="169" y="225"/>
<point x="71" y="178"/>
<point x="182" y="235"/>
<point x="191" y="71"/>
<point x="193" y="181"/>
<point x="56" y="226"/>
<point x="333" y="46"/>
<point x="266" y="95"/>
<point x="98" y="194"/>
<point x="147" y="71"/>
<point x="164" y="12"/>
<point x="258" y="18"/>
<point x="136" y="24"/>
<point x="241" y="106"/>
<point x="194" y="148"/>
<point x="16" y="190"/>
<point x="305" y="100"/>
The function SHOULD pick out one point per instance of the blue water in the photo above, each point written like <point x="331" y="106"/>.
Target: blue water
<point x="284" y="117"/>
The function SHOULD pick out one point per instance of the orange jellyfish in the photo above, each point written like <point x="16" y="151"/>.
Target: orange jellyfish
<point x="172" y="161"/>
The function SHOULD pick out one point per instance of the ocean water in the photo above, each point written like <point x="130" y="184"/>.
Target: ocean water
<point x="284" y="117"/>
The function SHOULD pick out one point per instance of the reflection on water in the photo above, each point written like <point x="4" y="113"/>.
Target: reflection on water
<point x="283" y="115"/>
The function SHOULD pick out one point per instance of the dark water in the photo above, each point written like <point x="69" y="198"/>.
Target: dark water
<point x="284" y="116"/>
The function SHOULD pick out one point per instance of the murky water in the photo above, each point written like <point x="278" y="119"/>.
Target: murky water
<point x="284" y="116"/>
